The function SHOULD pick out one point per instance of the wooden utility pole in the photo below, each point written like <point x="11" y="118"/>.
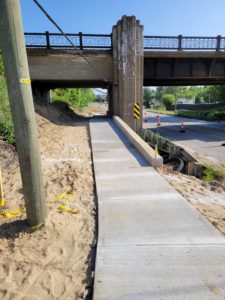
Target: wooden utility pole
<point x="17" y="75"/>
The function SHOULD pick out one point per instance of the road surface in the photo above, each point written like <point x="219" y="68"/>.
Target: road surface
<point x="203" y="137"/>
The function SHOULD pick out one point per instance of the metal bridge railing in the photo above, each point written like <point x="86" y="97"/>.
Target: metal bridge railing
<point x="57" y="40"/>
<point x="104" y="41"/>
<point x="182" y="43"/>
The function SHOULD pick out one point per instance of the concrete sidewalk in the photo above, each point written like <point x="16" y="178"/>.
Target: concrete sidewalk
<point x="152" y="243"/>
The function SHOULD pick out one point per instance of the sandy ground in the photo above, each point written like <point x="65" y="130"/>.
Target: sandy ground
<point x="56" y="262"/>
<point x="94" y="109"/>
<point x="207" y="197"/>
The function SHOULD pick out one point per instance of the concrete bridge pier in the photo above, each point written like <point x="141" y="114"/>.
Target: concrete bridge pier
<point x="42" y="96"/>
<point x="110" y="101"/>
<point x="128" y="61"/>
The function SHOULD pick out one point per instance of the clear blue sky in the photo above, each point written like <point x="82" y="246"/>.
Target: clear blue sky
<point x="159" y="17"/>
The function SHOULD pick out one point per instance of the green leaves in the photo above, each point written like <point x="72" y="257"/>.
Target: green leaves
<point x="168" y="99"/>
<point x="6" y="126"/>
<point x="78" y="98"/>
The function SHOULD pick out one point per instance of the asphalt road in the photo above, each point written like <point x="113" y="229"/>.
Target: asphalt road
<point x="203" y="137"/>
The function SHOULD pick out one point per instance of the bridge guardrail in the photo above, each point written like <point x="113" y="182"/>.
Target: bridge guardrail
<point x="182" y="43"/>
<point x="58" y="40"/>
<point x="104" y="41"/>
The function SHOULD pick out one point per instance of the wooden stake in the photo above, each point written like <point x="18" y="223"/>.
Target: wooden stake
<point x="1" y="189"/>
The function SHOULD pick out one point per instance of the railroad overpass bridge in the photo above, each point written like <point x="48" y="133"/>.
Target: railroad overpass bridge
<point x="123" y="62"/>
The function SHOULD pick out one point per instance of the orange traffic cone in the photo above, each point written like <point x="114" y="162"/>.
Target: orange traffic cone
<point x="182" y="129"/>
<point x="158" y="120"/>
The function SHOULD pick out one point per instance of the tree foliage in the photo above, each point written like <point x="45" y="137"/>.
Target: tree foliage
<point x="217" y="93"/>
<point x="6" y="126"/>
<point x="79" y="98"/>
<point x="201" y="94"/>
<point x="168" y="99"/>
<point x="1" y="66"/>
<point x="149" y="94"/>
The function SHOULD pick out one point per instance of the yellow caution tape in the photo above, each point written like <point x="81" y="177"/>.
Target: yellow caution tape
<point x="57" y="198"/>
<point x="63" y="208"/>
<point x="2" y="201"/>
<point x="6" y="215"/>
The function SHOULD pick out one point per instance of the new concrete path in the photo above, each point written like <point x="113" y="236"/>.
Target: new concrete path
<point x="152" y="243"/>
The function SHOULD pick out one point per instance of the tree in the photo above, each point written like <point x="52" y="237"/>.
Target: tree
<point x="199" y="99"/>
<point x="159" y="92"/>
<point x="168" y="99"/>
<point x="149" y="94"/>
<point x="79" y="98"/>
<point x="217" y="93"/>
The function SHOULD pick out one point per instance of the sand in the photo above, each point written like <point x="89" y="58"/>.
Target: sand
<point x="57" y="261"/>
<point x="207" y="197"/>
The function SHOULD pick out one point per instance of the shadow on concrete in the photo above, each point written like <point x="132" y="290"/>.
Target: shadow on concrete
<point x="136" y="154"/>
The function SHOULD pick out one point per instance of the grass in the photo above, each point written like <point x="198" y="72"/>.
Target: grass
<point x="6" y="126"/>
<point x="216" y="114"/>
<point x="211" y="174"/>
<point x="163" y="111"/>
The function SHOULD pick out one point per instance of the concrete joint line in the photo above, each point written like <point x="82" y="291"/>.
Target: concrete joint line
<point x="140" y="197"/>
<point x="162" y="245"/>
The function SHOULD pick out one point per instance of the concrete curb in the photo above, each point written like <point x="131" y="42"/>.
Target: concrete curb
<point x="139" y="143"/>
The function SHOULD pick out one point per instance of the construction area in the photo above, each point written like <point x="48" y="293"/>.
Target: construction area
<point x="58" y="261"/>
<point x="92" y="205"/>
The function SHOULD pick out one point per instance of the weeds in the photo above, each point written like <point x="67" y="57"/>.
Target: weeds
<point x="210" y="174"/>
<point x="6" y="126"/>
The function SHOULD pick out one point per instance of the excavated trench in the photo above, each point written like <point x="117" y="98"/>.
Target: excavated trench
<point x="174" y="157"/>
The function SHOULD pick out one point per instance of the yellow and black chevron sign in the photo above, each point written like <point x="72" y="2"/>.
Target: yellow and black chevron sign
<point x="136" y="111"/>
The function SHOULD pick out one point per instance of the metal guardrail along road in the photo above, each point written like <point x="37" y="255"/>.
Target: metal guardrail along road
<point x="104" y="41"/>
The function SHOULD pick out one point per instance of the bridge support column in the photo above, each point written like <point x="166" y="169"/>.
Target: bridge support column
<point x="128" y="60"/>
<point x="42" y="96"/>
<point x="110" y="102"/>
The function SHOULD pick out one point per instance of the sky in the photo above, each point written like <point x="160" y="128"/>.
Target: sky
<point x="159" y="17"/>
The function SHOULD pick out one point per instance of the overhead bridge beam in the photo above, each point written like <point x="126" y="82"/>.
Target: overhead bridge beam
<point x="184" y="68"/>
<point x="66" y="68"/>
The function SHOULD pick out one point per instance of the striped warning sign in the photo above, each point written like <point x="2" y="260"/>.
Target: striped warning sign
<point x="136" y="111"/>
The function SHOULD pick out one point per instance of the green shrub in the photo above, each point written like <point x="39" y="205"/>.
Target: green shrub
<point x="78" y="98"/>
<point x="219" y="115"/>
<point x="159" y="107"/>
<point x="6" y="126"/>
<point x="210" y="174"/>
<point x="168" y="99"/>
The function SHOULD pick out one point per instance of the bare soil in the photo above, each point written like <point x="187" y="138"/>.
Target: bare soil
<point x="207" y="197"/>
<point x="57" y="261"/>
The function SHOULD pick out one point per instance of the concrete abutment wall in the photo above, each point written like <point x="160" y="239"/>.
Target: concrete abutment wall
<point x="128" y="64"/>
